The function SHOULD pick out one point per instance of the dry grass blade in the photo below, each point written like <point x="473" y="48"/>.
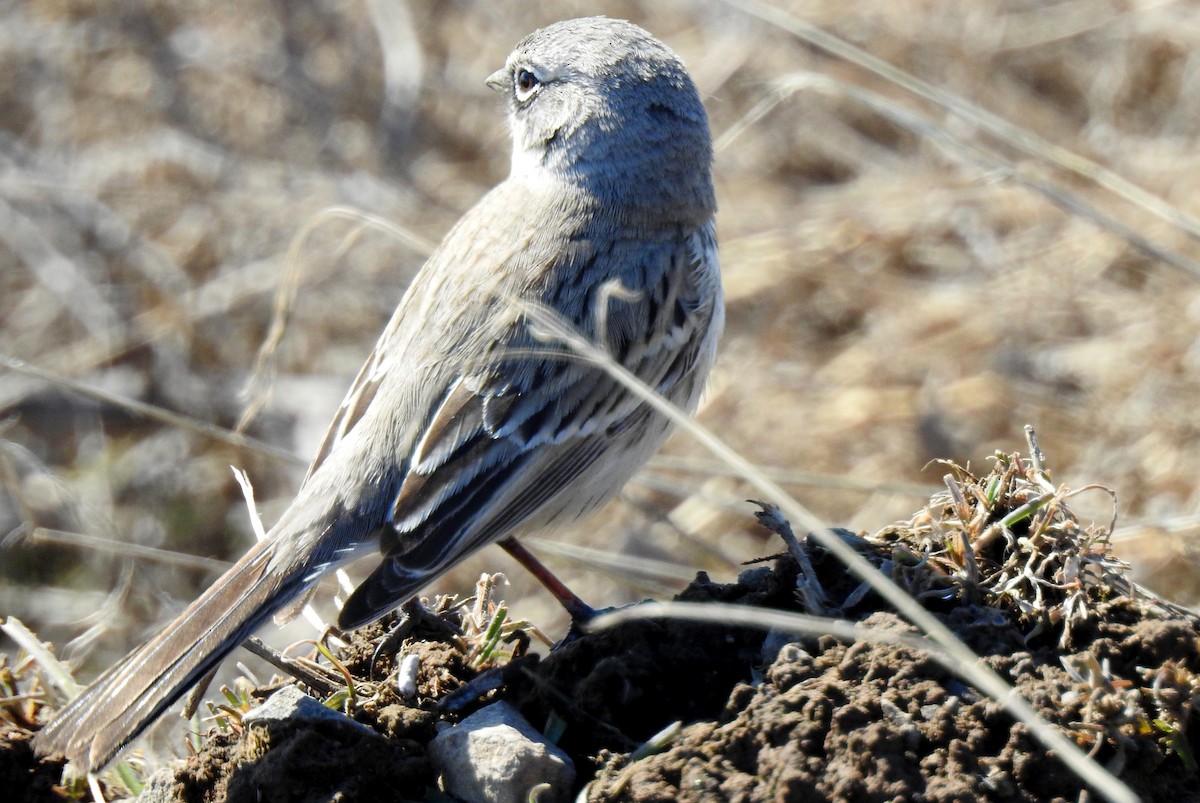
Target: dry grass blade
<point x="151" y="411"/>
<point x="139" y="552"/>
<point x="258" y="387"/>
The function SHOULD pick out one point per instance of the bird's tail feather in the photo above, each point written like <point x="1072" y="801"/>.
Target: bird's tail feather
<point x="127" y="698"/>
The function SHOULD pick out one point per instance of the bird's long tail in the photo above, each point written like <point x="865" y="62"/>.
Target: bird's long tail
<point x="127" y="698"/>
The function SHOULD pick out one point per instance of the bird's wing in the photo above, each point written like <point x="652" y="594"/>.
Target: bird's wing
<point x="350" y="412"/>
<point x="506" y="438"/>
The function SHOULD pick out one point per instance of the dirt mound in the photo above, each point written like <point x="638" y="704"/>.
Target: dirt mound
<point x="836" y="721"/>
<point x="769" y="715"/>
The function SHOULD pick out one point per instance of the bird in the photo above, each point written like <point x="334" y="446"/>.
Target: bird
<point x="465" y="426"/>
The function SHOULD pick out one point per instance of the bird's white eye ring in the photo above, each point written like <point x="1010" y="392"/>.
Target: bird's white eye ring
<point x="525" y="83"/>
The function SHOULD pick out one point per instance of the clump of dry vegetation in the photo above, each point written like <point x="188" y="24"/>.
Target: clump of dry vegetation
<point x="1007" y="548"/>
<point x="1010" y="542"/>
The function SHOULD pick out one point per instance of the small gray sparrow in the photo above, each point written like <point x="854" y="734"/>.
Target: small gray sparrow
<point x="465" y="426"/>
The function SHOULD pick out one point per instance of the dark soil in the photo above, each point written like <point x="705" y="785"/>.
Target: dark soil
<point x="23" y="778"/>
<point x="832" y="721"/>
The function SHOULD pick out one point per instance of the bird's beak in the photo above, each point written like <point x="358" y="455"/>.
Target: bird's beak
<point x="498" y="80"/>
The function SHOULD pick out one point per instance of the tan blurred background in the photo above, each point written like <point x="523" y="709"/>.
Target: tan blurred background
<point x="904" y="284"/>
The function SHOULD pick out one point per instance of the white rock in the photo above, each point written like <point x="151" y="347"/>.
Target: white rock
<point x="290" y="704"/>
<point x="495" y="756"/>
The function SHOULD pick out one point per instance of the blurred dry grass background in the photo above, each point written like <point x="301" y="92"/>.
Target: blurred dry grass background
<point x="902" y="284"/>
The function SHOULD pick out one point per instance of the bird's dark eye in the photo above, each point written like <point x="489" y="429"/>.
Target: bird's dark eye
<point x="526" y="82"/>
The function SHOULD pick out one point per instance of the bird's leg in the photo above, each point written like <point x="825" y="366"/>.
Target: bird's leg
<point x="578" y="610"/>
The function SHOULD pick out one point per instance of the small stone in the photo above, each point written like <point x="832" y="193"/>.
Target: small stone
<point x="496" y="756"/>
<point x="290" y="704"/>
<point x="160" y="787"/>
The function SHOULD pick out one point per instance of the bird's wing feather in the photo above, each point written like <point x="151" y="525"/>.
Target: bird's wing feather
<point x="350" y="412"/>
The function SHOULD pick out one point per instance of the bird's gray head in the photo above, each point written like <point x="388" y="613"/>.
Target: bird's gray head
<point x="603" y="103"/>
